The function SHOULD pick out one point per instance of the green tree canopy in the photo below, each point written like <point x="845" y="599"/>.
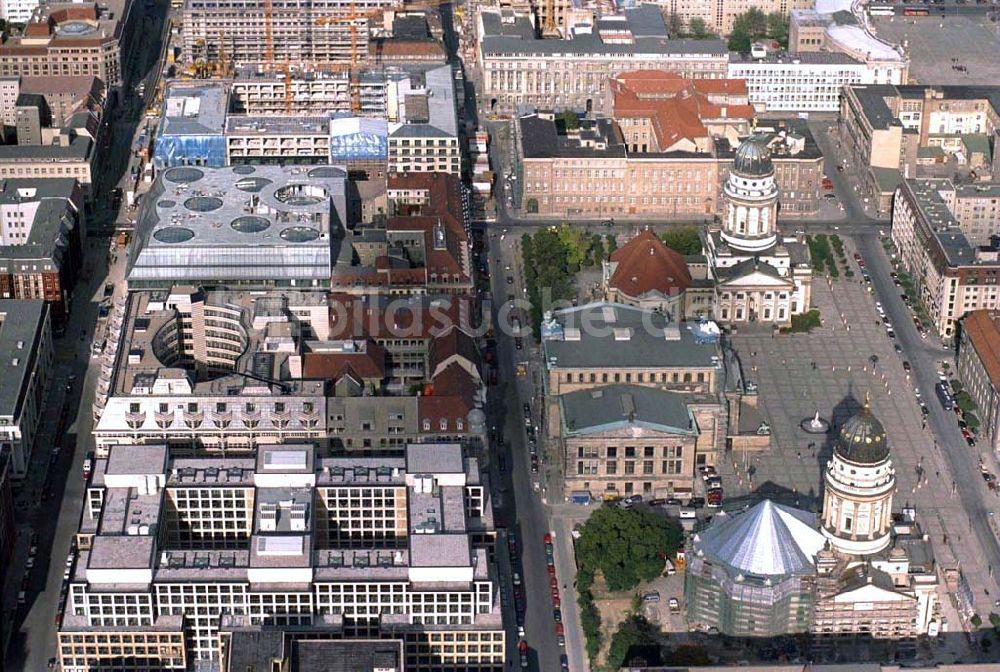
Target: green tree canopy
<point x="627" y="545"/>
<point x="685" y="240"/>
<point x="698" y="29"/>
<point x="634" y="633"/>
<point x="777" y="28"/>
<point x="747" y="27"/>
<point x="576" y="242"/>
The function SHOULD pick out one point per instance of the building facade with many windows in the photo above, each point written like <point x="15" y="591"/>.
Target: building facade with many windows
<point x="390" y="548"/>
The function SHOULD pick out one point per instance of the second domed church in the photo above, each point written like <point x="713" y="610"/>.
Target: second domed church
<point x="760" y="275"/>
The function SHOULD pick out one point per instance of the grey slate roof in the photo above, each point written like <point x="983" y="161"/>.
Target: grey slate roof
<point x="20" y="323"/>
<point x="345" y="655"/>
<point x="78" y="149"/>
<point x="600" y="327"/>
<point x="621" y="406"/>
<point x="54" y="218"/>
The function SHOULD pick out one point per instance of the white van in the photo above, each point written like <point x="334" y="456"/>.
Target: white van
<point x="688" y="513"/>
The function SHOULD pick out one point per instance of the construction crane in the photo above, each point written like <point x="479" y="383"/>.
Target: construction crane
<point x="269" y="32"/>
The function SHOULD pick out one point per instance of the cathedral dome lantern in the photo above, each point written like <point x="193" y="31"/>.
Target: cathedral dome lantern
<point x="859" y="483"/>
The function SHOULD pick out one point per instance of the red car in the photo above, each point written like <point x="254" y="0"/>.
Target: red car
<point x="554" y="582"/>
<point x="552" y="571"/>
<point x="559" y="629"/>
<point x="555" y="593"/>
<point x="547" y="538"/>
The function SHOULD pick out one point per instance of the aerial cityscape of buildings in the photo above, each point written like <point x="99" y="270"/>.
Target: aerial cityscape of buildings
<point x="469" y="337"/>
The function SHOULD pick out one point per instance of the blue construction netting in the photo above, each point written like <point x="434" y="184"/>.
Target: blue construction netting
<point x="190" y="150"/>
<point x="358" y="139"/>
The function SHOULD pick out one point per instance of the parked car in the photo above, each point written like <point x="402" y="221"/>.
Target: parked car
<point x="653" y="596"/>
<point x="674" y="605"/>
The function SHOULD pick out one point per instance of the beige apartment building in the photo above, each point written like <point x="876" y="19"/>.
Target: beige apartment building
<point x="977" y="209"/>
<point x="952" y="277"/>
<point x="591" y="173"/>
<point x="720" y="14"/>
<point x="886" y="130"/>
<point x="72" y="39"/>
<point x="979" y="369"/>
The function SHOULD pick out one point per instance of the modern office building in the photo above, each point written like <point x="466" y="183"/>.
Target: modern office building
<point x="179" y="556"/>
<point x="521" y="71"/>
<point x="979" y="370"/>
<point x="952" y="277"/>
<point x="200" y="370"/>
<point x="893" y="133"/>
<point x="192" y="125"/>
<point x="423" y="122"/>
<point x="18" y="11"/>
<point x="312" y="92"/>
<point x="72" y="39"/>
<point x="42" y="228"/>
<point x="809" y="81"/>
<point x="244" y="226"/>
<point x="26" y="353"/>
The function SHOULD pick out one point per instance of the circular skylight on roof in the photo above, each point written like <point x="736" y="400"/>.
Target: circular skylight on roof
<point x="327" y="171"/>
<point x="203" y="203"/>
<point x="244" y="170"/>
<point x="301" y="194"/>
<point x="166" y="203"/>
<point x="183" y="174"/>
<point x="252" y="184"/>
<point x="75" y="28"/>
<point x="250" y="224"/>
<point x="173" y="234"/>
<point x="299" y="234"/>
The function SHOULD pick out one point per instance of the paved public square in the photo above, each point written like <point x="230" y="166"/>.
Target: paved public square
<point x="830" y="370"/>
<point x="933" y="42"/>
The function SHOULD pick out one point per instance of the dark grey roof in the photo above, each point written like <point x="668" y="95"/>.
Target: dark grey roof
<point x="873" y="105"/>
<point x="746" y="267"/>
<point x="78" y="149"/>
<point x="645" y="22"/>
<point x="753" y="159"/>
<point x="345" y="655"/>
<point x="255" y="649"/>
<point x="31" y="100"/>
<point x="805" y="57"/>
<point x="862" y="439"/>
<point x="618" y="407"/>
<point x="20" y="330"/>
<point x="54" y="219"/>
<point x="540" y="139"/>
<point x="611" y="335"/>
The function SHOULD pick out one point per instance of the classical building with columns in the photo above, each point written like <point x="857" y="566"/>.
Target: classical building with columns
<point x="760" y="276"/>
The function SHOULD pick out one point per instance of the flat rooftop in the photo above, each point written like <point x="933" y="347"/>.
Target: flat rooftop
<point x="277" y="125"/>
<point x="607" y="335"/>
<point x="243" y="224"/>
<point x="20" y="332"/>
<point x="195" y="109"/>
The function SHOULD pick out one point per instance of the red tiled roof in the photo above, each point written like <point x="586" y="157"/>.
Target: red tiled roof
<point x="982" y="327"/>
<point x="675" y="105"/>
<point x="333" y="365"/>
<point x="645" y="264"/>
<point x="392" y="317"/>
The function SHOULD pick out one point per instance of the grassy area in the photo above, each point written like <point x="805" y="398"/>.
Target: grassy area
<point x="804" y="323"/>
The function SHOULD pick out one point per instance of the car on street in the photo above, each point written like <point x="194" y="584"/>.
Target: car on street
<point x="673" y="501"/>
<point x="557" y="615"/>
<point x="696" y="502"/>
<point x="547" y="539"/>
<point x="510" y="279"/>
<point x="517" y="578"/>
<point x="906" y="365"/>
<point x="563" y="662"/>
<point x="674" y="604"/>
<point x="897" y="347"/>
<point x="501" y="463"/>
<point x="534" y="463"/>
<point x="522" y="651"/>
<point x="652" y="596"/>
